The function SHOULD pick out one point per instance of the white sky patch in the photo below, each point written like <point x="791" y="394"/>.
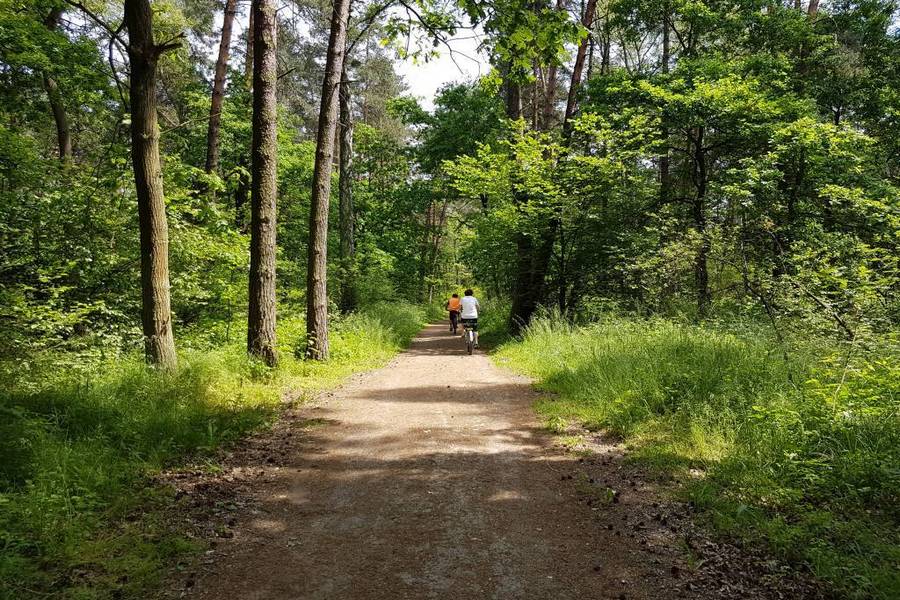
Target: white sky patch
<point x="464" y="63"/>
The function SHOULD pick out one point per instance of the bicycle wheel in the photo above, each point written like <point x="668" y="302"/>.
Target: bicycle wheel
<point x="470" y="341"/>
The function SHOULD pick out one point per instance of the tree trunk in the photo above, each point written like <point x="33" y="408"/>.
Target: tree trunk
<point x="241" y="196"/>
<point x="549" y="99"/>
<point x="513" y="100"/>
<point x="666" y="43"/>
<point x="605" y="62"/>
<point x="562" y="284"/>
<point x="316" y="285"/>
<point x="54" y="97"/>
<point x="572" y="101"/>
<point x="347" y="216"/>
<point x="523" y="299"/>
<point x="156" y="314"/>
<point x="813" y="9"/>
<point x="701" y="272"/>
<point x="218" y="91"/>
<point x="263" y="191"/>
<point x="248" y="59"/>
<point x="665" y="182"/>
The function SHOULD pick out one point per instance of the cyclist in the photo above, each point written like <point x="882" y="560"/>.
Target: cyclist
<point x="452" y="307"/>
<point x="469" y="312"/>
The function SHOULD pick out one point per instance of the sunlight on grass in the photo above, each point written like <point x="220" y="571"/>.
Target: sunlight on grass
<point x="78" y="439"/>
<point x="810" y="469"/>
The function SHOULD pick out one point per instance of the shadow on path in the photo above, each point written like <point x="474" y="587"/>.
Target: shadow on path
<point x="426" y="479"/>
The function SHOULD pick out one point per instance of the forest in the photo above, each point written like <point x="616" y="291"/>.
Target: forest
<point x="682" y="218"/>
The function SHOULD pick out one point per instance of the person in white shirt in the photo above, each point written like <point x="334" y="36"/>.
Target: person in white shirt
<point x="468" y="313"/>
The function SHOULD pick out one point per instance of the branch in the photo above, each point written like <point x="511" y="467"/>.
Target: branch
<point x="112" y="67"/>
<point x="851" y="335"/>
<point x="369" y="22"/>
<point x="286" y="73"/>
<point x="172" y="43"/>
<point x="113" y="32"/>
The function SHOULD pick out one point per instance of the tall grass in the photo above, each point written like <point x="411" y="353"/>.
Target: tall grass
<point x="77" y="443"/>
<point x="811" y="467"/>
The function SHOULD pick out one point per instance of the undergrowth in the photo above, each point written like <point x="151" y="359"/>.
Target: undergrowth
<point x="802" y="454"/>
<point x="80" y="436"/>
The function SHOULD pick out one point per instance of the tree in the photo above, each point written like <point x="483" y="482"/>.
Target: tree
<point x="316" y="274"/>
<point x="261" y="313"/>
<point x="347" y="214"/>
<point x="54" y="97"/>
<point x="144" y="54"/>
<point x="218" y="90"/>
<point x="572" y="100"/>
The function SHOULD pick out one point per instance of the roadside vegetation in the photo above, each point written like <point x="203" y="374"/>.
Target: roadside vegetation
<point x="801" y="454"/>
<point x="722" y="176"/>
<point x="80" y="438"/>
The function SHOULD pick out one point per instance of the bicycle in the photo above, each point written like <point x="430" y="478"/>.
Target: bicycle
<point x="468" y="336"/>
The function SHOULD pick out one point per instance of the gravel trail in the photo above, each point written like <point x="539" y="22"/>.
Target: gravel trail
<point x="431" y="478"/>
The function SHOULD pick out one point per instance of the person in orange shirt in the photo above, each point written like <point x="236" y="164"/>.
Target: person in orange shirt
<point x="453" y="306"/>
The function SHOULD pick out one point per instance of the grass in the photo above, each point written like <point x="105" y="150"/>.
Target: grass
<point x="78" y="441"/>
<point x="811" y="468"/>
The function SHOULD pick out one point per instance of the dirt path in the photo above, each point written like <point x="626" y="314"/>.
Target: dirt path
<point x="430" y="478"/>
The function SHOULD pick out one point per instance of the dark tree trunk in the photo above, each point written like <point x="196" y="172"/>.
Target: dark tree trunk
<point x="513" y="100"/>
<point x="218" y="91"/>
<point x="563" y="283"/>
<point x="241" y="196"/>
<point x="549" y="107"/>
<point x="248" y="59"/>
<point x="524" y="298"/>
<point x="701" y="272"/>
<point x="606" y="44"/>
<point x="63" y="134"/>
<point x="665" y="182"/>
<point x="54" y="97"/>
<point x="347" y="216"/>
<point x="572" y="101"/>
<point x="263" y="191"/>
<point x="156" y="314"/>
<point x="316" y="285"/>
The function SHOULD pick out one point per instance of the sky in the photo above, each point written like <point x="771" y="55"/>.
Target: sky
<point x="425" y="79"/>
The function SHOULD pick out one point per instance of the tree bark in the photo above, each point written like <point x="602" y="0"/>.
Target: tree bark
<point x="572" y="101"/>
<point x="316" y="284"/>
<point x="54" y="97"/>
<point x="665" y="182"/>
<point x="549" y="107"/>
<point x="263" y="192"/>
<point x="248" y="59"/>
<point x="218" y="91"/>
<point x="605" y="50"/>
<point x="241" y="197"/>
<point x="813" y="9"/>
<point x="156" y="314"/>
<point x="549" y="99"/>
<point x="347" y="216"/>
<point x="523" y="298"/>
<point x="513" y="100"/>
<point x="701" y="271"/>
